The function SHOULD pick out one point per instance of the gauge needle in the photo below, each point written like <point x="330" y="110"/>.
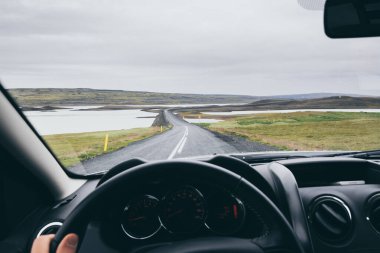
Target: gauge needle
<point x="235" y="211"/>
<point x="137" y="218"/>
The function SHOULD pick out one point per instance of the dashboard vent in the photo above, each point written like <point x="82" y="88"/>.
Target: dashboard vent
<point x="330" y="218"/>
<point x="50" y="228"/>
<point x="374" y="211"/>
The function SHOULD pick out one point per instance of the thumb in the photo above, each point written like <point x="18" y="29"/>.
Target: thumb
<point x="69" y="244"/>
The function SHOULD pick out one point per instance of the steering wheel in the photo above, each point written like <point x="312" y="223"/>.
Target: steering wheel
<point x="280" y="239"/>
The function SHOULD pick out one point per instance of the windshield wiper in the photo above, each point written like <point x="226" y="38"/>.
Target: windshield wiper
<point x="267" y="158"/>
<point x="370" y="154"/>
<point x="272" y="157"/>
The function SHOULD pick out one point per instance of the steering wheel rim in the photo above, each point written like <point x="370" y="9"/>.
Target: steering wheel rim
<point x="78" y="220"/>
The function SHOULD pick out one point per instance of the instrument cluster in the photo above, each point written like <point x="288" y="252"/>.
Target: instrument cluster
<point x="183" y="210"/>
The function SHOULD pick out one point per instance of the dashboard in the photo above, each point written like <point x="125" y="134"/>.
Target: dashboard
<point x="161" y="212"/>
<point x="340" y="200"/>
<point x="184" y="210"/>
<point x="332" y="204"/>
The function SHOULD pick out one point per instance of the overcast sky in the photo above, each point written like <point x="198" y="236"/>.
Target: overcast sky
<point x="256" y="47"/>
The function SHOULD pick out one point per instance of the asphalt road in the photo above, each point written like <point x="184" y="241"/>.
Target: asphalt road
<point x="183" y="140"/>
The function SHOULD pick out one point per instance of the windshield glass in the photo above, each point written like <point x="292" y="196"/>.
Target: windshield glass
<point x="106" y="81"/>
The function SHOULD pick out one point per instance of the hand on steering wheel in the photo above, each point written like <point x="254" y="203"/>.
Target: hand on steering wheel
<point x="68" y="244"/>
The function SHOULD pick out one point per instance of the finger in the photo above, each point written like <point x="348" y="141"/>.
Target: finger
<point x="42" y="244"/>
<point x="68" y="244"/>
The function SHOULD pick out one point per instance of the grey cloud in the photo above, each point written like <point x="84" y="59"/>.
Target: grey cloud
<point x="213" y="46"/>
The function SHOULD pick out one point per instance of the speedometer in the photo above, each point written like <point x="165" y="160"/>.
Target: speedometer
<point x="140" y="217"/>
<point x="183" y="210"/>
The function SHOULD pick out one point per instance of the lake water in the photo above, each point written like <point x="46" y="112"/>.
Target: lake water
<point x="74" y="121"/>
<point x="290" y="111"/>
<point x="181" y="105"/>
<point x="202" y="120"/>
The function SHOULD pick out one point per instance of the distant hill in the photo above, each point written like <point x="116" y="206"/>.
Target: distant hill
<point x="314" y="96"/>
<point x="81" y="96"/>
<point x="336" y="102"/>
<point x="77" y="97"/>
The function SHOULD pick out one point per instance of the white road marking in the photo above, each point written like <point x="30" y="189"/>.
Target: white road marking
<point x="183" y="143"/>
<point x="178" y="148"/>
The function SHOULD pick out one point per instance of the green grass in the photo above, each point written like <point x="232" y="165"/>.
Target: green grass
<point x="205" y="125"/>
<point x="71" y="149"/>
<point x="307" y="130"/>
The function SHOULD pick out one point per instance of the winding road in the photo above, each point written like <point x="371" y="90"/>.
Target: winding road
<point x="183" y="140"/>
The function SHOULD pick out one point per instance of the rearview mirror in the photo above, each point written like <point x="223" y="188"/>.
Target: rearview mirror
<point x="352" y="18"/>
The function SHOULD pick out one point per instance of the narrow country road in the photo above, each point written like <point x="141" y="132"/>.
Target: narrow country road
<point x="183" y="140"/>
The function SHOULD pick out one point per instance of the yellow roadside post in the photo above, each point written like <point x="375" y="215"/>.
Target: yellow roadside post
<point x="106" y="143"/>
<point x="161" y="129"/>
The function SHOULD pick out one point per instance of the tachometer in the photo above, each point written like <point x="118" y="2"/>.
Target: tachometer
<point x="226" y="214"/>
<point x="183" y="210"/>
<point x="140" y="218"/>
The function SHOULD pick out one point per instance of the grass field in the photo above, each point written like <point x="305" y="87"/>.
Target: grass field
<point x="306" y="130"/>
<point x="74" y="148"/>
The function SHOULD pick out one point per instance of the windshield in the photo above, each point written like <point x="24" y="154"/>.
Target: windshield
<point x="106" y="81"/>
